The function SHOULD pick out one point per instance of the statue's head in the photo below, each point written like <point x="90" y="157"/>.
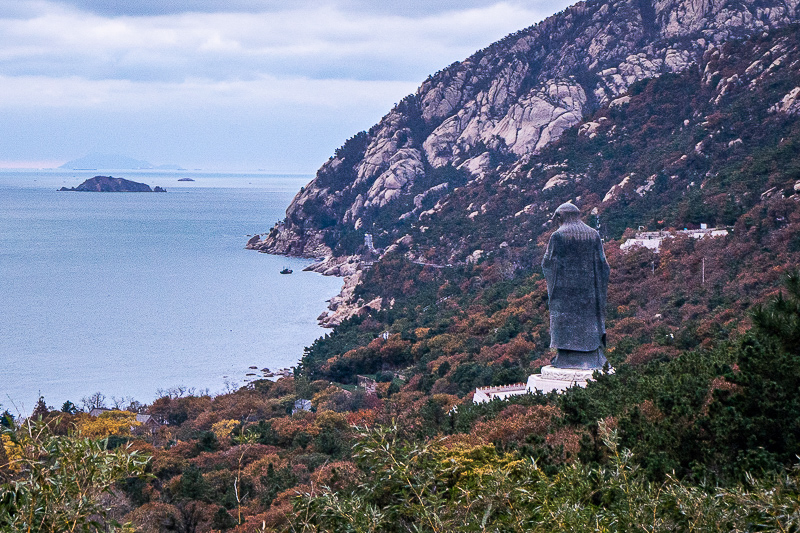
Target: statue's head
<point x="567" y="212"/>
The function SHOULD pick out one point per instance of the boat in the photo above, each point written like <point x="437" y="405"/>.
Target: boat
<point x="286" y="271"/>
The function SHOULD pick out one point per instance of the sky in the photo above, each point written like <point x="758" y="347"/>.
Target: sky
<point x="273" y="85"/>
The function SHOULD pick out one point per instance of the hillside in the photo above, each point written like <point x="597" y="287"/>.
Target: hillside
<point x="484" y="119"/>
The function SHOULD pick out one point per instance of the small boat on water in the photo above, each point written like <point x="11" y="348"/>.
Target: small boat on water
<point x="286" y="271"/>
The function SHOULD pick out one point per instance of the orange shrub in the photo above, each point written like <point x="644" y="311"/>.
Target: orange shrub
<point x="287" y="427"/>
<point x="259" y="467"/>
<point x="155" y="517"/>
<point x="568" y="439"/>
<point x="647" y="352"/>
<point x="516" y="422"/>
<point x="337" y="475"/>
<point x="361" y="418"/>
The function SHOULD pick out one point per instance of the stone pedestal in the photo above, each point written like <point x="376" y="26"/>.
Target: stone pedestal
<point x="558" y="379"/>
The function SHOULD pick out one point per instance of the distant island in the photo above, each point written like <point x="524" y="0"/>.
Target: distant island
<point x="111" y="184"/>
<point x="97" y="161"/>
<point x="185" y="179"/>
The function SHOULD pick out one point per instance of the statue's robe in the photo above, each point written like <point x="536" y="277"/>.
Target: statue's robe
<point x="576" y="270"/>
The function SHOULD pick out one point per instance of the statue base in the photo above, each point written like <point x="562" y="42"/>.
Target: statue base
<point x="559" y="379"/>
<point x="579" y="360"/>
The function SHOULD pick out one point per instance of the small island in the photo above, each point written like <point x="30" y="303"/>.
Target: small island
<point x="111" y="184"/>
<point x="185" y="179"/>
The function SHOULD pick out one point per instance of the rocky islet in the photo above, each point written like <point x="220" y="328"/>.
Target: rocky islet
<point x="111" y="184"/>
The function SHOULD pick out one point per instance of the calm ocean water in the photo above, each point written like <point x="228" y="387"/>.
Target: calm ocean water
<point x="128" y="293"/>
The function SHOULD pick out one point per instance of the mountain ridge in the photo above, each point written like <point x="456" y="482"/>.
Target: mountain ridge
<point x="485" y="117"/>
<point x="97" y="161"/>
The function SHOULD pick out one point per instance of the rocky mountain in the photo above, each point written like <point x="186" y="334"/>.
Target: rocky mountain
<point x="489" y="118"/>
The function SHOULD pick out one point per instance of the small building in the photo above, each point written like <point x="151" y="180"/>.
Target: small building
<point x="368" y="243"/>
<point x="370" y="254"/>
<point x="301" y="405"/>
<point x="647" y="239"/>
<point x="148" y="422"/>
<point x="652" y="239"/>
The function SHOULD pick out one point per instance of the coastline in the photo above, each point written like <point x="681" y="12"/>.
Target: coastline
<point x="350" y="268"/>
<point x="179" y="304"/>
<point x="343" y="306"/>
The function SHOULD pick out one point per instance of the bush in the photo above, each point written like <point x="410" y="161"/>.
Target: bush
<point x="57" y="482"/>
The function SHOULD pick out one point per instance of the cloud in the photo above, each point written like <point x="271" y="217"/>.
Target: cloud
<point x="23" y="164"/>
<point x="303" y="75"/>
<point x="302" y="41"/>
<point x="406" y="8"/>
<point x="284" y="125"/>
<point x="40" y="92"/>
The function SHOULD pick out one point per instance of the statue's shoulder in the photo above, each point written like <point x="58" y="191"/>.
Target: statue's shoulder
<point x="577" y="230"/>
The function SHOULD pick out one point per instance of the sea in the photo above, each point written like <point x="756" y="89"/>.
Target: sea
<point x="135" y="294"/>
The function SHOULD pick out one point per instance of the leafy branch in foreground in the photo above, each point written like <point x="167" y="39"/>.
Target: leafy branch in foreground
<point x="56" y="482"/>
<point x="450" y="485"/>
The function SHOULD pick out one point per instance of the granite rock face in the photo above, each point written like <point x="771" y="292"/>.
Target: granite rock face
<point x="486" y="114"/>
<point x="789" y="104"/>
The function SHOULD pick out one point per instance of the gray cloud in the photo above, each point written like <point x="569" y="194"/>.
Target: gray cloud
<point x="317" y="42"/>
<point x="238" y="84"/>
<point x="405" y="8"/>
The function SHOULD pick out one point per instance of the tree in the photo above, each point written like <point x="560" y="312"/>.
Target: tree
<point x="69" y="408"/>
<point x="95" y="401"/>
<point x="441" y="486"/>
<point x="780" y="319"/>
<point x="755" y="421"/>
<point x="41" y="410"/>
<point x="7" y="419"/>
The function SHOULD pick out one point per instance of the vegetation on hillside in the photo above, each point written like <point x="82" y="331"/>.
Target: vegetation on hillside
<point x="706" y="436"/>
<point x="57" y="480"/>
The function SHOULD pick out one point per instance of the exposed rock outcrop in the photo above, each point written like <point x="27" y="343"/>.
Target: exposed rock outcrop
<point x="789" y="104"/>
<point x="344" y="305"/>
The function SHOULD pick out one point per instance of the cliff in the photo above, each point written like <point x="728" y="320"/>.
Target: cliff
<point x="480" y="120"/>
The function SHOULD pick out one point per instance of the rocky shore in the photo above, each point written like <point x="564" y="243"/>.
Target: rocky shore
<point x="344" y="305"/>
<point x="349" y="268"/>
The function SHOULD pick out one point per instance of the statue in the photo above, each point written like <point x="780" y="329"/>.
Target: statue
<point x="576" y="271"/>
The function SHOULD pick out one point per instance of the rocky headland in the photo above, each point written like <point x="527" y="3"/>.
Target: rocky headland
<point x="484" y="123"/>
<point x="111" y="184"/>
<point x="488" y="115"/>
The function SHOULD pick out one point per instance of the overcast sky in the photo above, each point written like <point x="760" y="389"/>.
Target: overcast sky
<point x="224" y="84"/>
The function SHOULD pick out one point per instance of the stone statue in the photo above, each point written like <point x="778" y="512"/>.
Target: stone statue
<point x="576" y="270"/>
